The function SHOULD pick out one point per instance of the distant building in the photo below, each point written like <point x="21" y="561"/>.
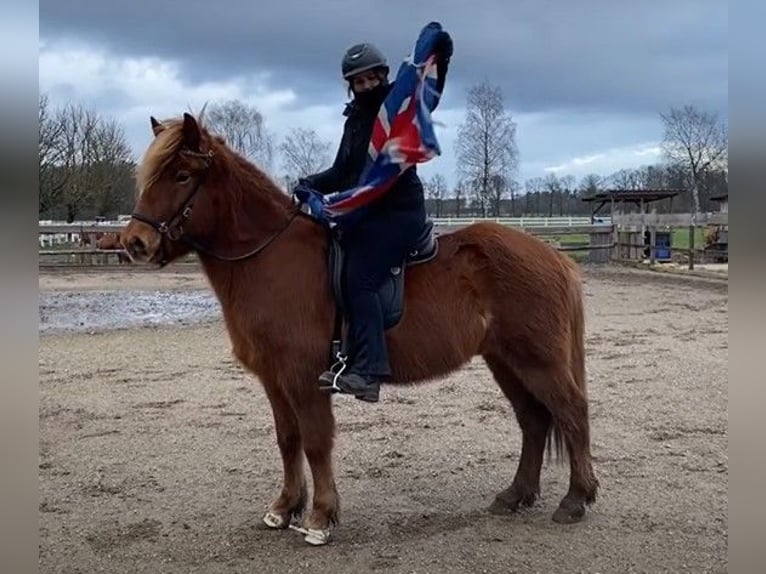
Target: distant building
<point x="723" y="202"/>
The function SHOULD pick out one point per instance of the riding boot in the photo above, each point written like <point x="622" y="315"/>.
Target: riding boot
<point x="367" y="334"/>
<point x="363" y="388"/>
<point x="368" y="364"/>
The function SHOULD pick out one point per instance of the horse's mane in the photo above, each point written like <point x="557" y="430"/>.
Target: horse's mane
<point x="161" y="151"/>
<point x="244" y="176"/>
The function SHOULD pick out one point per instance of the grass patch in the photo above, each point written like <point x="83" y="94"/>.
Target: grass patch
<point x="681" y="238"/>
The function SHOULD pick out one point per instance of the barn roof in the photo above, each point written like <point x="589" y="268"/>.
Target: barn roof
<point x="646" y="195"/>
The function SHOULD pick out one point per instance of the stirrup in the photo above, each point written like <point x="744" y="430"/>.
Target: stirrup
<point x="340" y="365"/>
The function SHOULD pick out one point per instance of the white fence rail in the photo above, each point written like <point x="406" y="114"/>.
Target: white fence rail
<point x="59" y="233"/>
<point x="566" y="221"/>
<point x="52" y="233"/>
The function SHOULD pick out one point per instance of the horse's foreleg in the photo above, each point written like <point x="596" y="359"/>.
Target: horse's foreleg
<point x="314" y="411"/>
<point x="292" y="499"/>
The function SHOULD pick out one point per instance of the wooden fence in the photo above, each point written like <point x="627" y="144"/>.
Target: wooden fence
<point x="635" y="237"/>
<point x="626" y="237"/>
<point x="566" y="234"/>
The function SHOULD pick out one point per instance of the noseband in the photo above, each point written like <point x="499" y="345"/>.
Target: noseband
<point x="173" y="230"/>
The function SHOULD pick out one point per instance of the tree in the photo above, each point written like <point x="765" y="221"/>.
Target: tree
<point x="698" y="142"/>
<point x="52" y="180"/>
<point x="85" y="162"/>
<point x="651" y="177"/>
<point x="498" y="188"/>
<point x="243" y="128"/>
<point x="567" y="191"/>
<point x="110" y="167"/>
<point x="534" y="187"/>
<point x="436" y="189"/>
<point x="625" y="179"/>
<point x="552" y="185"/>
<point x="459" y="194"/>
<point x="486" y="145"/>
<point x="591" y="184"/>
<point x="304" y="153"/>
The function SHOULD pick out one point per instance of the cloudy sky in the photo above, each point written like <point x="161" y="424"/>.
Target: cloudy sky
<point x="584" y="81"/>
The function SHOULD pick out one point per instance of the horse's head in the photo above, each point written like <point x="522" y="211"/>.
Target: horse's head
<point x="170" y="183"/>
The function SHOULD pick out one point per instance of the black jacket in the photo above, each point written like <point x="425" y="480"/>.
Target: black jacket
<point x="350" y="160"/>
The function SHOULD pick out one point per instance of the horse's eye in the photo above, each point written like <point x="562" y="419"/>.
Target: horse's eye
<point x="182" y="177"/>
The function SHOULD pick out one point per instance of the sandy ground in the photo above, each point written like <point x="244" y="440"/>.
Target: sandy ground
<point x="157" y="452"/>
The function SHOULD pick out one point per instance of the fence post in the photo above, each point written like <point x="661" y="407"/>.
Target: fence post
<point x="691" y="247"/>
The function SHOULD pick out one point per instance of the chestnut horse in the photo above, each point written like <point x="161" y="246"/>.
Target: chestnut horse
<point x="491" y="291"/>
<point x="111" y="242"/>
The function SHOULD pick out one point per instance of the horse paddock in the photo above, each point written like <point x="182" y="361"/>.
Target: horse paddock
<point x="158" y="452"/>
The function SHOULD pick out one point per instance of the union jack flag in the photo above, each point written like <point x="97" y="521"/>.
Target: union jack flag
<point x="403" y="133"/>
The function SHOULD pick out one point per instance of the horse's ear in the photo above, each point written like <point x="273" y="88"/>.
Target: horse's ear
<point x="191" y="132"/>
<point x="157" y="127"/>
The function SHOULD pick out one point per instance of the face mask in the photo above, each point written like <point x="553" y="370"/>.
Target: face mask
<point x="372" y="98"/>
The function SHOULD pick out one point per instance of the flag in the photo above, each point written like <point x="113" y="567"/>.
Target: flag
<point x="403" y="133"/>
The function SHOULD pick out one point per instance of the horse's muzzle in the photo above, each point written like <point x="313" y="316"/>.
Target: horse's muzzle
<point x="136" y="248"/>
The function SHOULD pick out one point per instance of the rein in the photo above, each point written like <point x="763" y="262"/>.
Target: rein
<point x="173" y="228"/>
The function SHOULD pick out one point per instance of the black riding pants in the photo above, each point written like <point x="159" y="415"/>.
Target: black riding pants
<point x="372" y="248"/>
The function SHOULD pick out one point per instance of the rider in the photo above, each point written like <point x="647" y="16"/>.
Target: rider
<point x="389" y="227"/>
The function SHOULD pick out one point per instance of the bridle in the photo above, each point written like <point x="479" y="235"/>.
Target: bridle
<point x="173" y="230"/>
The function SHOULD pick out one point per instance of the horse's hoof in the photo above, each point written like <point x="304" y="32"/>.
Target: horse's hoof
<point x="317" y="536"/>
<point x="274" y="520"/>
<point x="569" y="513"/>
<point x="509" y="501"/>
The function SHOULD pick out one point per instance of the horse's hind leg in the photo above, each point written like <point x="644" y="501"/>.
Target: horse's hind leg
<point x="292" y="500"/>
<point x="556" y="388"/>
<point x="534" y="420"/>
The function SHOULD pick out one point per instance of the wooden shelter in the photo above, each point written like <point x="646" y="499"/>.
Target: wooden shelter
<point x="640" y="197"/>
<point x="634" y="241"/>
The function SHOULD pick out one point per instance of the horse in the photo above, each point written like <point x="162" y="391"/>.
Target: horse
<point x="111" y="242"/>
<point x="489" y="291"/>
<point x="90" y="238"/>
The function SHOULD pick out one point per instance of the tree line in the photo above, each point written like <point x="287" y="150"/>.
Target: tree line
<point x="86" y="165"/>
<point x="695" y="159"/>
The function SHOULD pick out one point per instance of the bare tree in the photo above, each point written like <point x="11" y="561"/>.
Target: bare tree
<point x="498" y="188"/>
<point x="78" y="131"/>
<point x="436" y="189"/>
<point x="52" y="180"/>
<point x="513" y="189"/>
<point x="567" y="190"/>
<point x="459" y="194"/>
<point x="591" y="184"/>
<point x="552" y="185"/>
<point x="84" y="161"/>
<point x="304" y="153"/>
<point x="696" y="140"/>
<point x="486" y="145"/>
<point x="625" y="179"/>
<point x="534" y="188"/>
<point x="109" y="163"/>
<point x="243" y="128"/>
<point x="651" y="177"/>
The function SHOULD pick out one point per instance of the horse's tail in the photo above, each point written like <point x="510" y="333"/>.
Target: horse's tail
<point x="577" y="357"/>
<point x="577" y="350"/>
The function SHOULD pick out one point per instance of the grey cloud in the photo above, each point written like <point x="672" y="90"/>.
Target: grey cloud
<point x="630" y="58"/>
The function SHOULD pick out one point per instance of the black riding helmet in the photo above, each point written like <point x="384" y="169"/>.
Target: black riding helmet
<point x="362" y="57"/>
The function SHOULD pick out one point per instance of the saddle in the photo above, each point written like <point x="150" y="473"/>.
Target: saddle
<point x="390" y="294"/>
